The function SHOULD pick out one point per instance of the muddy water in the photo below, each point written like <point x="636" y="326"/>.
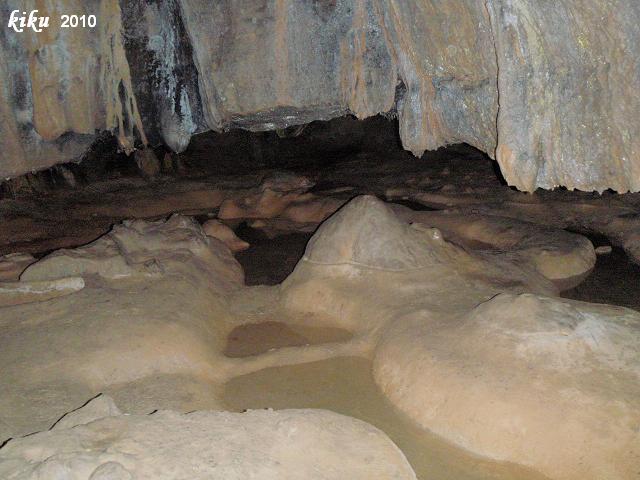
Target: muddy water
<point x="256" y="338"/>
<point x="345" y="385"/>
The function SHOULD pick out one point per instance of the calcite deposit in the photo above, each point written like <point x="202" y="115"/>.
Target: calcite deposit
<point x="547" y="88"/>
<point x="98" y="442"/>
<point x="461" y="319"/>
<point x="13" y="264"/>
<point x="216" y="229"/>
<point x="475" y="348"/>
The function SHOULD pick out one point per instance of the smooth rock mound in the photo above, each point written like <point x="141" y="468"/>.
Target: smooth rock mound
<point x="367" y="233"/>
<point x="144" y="315"/>
<point x="548" y="383"/>
<point x="139" y="248"/>
<point x="264" y="444"/>
<point x="366" y="265"/>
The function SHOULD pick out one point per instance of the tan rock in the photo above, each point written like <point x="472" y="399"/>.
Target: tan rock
<point x="217" y="229"/>
<point x="523" y="378"/>
<point x="462" y="349"/>
<point x="564" y="258"/>
<point x="287" y="444"/>
<point x="468" y="343"/>
<point x="18" y="293"/>
<point x="13" y="264"/>
<point x="263" y="204"/>
<point x="97" y="408"/>
<point x="150" y="322"/>
<point x="365" y="264"/>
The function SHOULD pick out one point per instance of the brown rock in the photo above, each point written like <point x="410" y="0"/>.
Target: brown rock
<point x="147" y="162"/>
<point x="217" y="229"/>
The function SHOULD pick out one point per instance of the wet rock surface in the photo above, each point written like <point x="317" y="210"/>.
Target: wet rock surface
<point x="166" y="318"/>
<point x="523" y="378"/>
<point x="152" y="325"/>
<point x="521" y="359"/>
<point x="98" y="442"/>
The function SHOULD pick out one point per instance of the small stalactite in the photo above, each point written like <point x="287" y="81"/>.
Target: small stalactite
<point x="122" y="115"/>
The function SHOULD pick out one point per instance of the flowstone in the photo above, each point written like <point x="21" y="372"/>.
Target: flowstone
<point x="470" y="342"/>
<point x="288" y="444"/>
<point x="475" y="349"/>
<point x="143" y="318"/>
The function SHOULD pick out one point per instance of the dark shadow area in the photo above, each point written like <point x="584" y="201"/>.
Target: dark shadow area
<point x="74" y="203"/>
<point x="269" y="260"/>
<point x="614" y="279"/>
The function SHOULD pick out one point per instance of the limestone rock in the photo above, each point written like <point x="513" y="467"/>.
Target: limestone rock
<point x="365" y="264"/>
<point x="533" y="380"/>
<point x="286" y="182"/>
<point x="99" y="407"/>
<point x="284" y="196"/>
<point x="137" y="248"/>
<point x="367" y="233"/>
<point x="564" y="258"/>
<point x="266" y="203"/>
<point x="287" y="444"/>
<point x="566" y="82"/>
<point x="101" y="257"/>
<point x="61" y="85"/>
<point x="18" y="293"/>
<point x="462" y="346"/>
<point x="217" y="229"/>
<point x="610" y="216"/>
<point x="13" y="264"/>
<point x="149" y="323"/>
<point x="555" y="83"/>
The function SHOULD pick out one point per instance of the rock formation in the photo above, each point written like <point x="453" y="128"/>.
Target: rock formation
<point x="97" y="442"/>
<point x="470" y="342"/>
<point x="562" y="257"/>
<point x="549" y="89"/>
<point x="216" y="229"/>
<point x="520" y="377"/>
<point x="141" y="324"/>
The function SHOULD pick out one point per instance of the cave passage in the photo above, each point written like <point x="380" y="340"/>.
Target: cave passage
<point x="320" y="239"/>
<point x="320" y="266"/>
<point x="73" y="204"/>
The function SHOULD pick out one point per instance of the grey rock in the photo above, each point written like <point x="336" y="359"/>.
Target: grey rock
<point x="547" y="87"/>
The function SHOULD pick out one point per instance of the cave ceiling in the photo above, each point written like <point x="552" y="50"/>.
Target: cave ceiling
<point x="546" y="87"/>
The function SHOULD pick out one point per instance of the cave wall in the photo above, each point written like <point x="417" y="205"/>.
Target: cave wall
<point x="569" y="77"/>
<point x="548" y="87"/>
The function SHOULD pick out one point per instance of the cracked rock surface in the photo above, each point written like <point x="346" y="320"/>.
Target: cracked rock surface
<point x="99" y="442"/>
<point x="548" y="88"/>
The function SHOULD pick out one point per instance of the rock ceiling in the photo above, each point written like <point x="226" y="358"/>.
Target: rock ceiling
<point x="548" y="88"/>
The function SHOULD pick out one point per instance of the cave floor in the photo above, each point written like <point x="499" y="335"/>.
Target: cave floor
<point x="345" y="385"/>
<point x="277" y="207"/>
